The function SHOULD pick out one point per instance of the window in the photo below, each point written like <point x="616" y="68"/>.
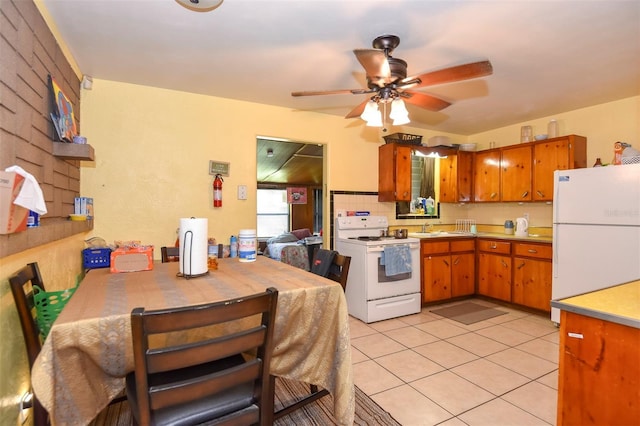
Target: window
<point x="273" y="212"/>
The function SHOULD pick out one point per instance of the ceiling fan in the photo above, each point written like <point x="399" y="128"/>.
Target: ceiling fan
<point x="387" y="78"/>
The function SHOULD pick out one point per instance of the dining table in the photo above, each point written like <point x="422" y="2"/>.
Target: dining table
<point x="89" y="351"/>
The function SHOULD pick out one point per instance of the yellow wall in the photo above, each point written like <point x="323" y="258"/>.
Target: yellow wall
<point x="603" y="125"/>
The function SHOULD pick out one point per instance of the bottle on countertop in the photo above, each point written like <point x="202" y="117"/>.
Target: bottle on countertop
<point x="430" y="206"/>
<point x="598" y="163"/>
<point x="233" y="247"/>
<point x="552" y="129"/>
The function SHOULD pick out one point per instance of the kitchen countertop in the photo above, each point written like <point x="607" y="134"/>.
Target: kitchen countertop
<point x="618" y="304"/>
<point x="494" y="235"/>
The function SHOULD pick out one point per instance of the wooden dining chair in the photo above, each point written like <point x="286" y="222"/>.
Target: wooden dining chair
<point x="194" y="377"/>
<point x="22" y="283"/>
<point x="170" y="254"/>
<point x="338" y="271"/>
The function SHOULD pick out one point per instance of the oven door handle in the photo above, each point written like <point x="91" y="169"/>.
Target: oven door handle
<point x="374" y="249"/>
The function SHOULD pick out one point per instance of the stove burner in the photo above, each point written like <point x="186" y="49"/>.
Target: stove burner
<point x="367" y="238"/>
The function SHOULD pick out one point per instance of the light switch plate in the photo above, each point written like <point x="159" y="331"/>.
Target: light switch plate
<point x="242" y="192"/>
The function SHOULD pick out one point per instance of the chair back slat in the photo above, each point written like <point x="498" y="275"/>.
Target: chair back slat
<point x="189" y="317"/>
<point x="165" y="359"/>
<point x="172" y="393"/>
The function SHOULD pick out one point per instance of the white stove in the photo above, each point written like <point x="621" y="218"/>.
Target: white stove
<point x="384" y="276"/>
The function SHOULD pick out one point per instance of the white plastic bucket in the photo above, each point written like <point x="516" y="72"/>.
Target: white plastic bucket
<point x="247" y="244"/>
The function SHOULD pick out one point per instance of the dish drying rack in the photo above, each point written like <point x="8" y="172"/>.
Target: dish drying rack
<point x="463" y="226"/>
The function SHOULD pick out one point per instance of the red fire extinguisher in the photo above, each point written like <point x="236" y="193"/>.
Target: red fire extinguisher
<point x="217" y="191"/>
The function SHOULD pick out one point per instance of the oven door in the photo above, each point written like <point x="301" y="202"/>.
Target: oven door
<point x="380" y="285"/>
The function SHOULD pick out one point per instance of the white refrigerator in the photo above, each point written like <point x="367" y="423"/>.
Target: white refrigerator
<point x="596" y="230"/>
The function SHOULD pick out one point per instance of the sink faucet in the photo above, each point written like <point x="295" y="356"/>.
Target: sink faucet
<point x="426" y="226"/>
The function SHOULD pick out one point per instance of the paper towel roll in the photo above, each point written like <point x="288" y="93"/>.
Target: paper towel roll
<point x="193" y="245"/>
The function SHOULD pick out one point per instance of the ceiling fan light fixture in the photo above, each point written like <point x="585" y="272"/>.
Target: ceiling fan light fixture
<point x="398" y="109"/>
<point x="200" y="5"/>
<point x="370" y="110"/>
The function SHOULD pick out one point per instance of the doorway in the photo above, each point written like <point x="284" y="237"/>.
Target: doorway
<point x="290" y="175"/>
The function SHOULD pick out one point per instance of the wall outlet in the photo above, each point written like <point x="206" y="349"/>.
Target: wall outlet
<point x="242" y="192"/>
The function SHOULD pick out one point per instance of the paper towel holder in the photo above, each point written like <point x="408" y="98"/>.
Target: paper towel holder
<point x="184" y="259"/>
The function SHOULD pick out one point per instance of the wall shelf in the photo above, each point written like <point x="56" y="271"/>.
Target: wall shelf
<point x="49" y="230"/>
<point x="73" y="151"/>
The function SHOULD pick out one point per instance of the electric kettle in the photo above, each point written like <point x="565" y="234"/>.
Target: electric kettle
<point x="522" y="227"/>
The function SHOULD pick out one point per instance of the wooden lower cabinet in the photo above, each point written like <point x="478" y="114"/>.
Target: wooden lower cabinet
<point x="513" y="271"/>
<point x="532" y="275"/>
<point x="599" y="372"/>
<point x="494" y="269"/>
<point x="463" y="268"/>
<point x="448" y="269"/>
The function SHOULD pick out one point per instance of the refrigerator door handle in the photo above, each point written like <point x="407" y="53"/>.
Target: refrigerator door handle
<point x="555" y="248"/>
<point x="556" y="195"/>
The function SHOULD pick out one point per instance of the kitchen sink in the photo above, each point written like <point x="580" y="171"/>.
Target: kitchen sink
<point x="428" y="234"/>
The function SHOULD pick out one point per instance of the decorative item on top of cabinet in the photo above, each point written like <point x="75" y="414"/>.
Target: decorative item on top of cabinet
<point x="486" y="176"/>
<point x="532" y="275"/>
<point x="448" y="269"/>
<point x="494" y="268"/>
<point x="394" y="172"/>
<point x="561" y="153"/>
<point x="515" y="173"/>
<point x="456" y="178"/>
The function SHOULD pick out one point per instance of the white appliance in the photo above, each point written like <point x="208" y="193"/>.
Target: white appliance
<point x="522" y="227"/>
<point x="596" y="230"/>
<point x="371" y="294"/>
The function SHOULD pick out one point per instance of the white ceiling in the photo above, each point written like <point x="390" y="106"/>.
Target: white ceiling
<point x="548" y="56"/>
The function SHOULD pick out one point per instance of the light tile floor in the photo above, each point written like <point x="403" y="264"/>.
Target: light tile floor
<point x="428" y="370"/>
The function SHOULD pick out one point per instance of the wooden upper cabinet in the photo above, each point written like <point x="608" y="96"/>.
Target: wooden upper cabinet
<point x="562" y="153"/>
<point x="394" y="172"/>
<point x="486" y="176"/>
<point x="515" y="173"/>
<point x="456" y="178"/>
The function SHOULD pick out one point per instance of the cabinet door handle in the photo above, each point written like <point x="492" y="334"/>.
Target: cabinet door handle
<point x="445" y="262"/>
<point x="493" y="247"/>
<point x="532" y="251"/>
<point x="455" y="262"/>
<point x="524" y="194"/>
<point x="521" y="265"/>
<point x="503" y="263"/>
<point x="540" y="193"/>
<point x="493" y="195"/>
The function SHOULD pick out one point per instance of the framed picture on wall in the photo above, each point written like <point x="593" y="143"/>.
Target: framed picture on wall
<point x="62" y="113"/>
<point x="296" y="195"/>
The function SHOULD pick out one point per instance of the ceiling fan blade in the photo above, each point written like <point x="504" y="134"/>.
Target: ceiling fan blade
<point x="448" y="75"/>
<point x="376" y="65"/>
<point x="331" y="92"/>
<point x="357" y="111"/>
<point x="425" y="101"/>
